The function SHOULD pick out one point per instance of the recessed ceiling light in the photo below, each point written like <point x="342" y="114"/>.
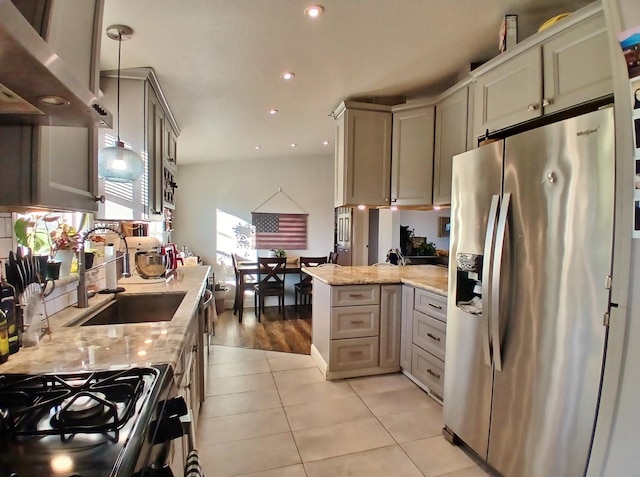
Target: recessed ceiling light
<point x="288" y="76"/>
<point x="314" y="11"/>
<point x="325" y="143"/>
<point x="257" y="147"/>
<point x="293" y="144"/>
<point x="273" y="112"/>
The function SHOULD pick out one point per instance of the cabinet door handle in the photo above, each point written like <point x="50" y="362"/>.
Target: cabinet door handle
<point x="99" y="198"/>
<point x="355" y="295"/>
<point x="395" y="199"/>
<point x="357" y="322"/>
<point x="435" y="375"/>
<point x="433" y="305"/>
<point x="433" y="337"/>
<point x="533" y="107"/>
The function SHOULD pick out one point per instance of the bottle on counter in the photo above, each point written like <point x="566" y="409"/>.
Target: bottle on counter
<point x="4" y="338"/>
<point x="8" y="308"/>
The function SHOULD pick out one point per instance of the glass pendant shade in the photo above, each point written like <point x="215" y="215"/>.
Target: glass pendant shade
<point x="119" y="164"/>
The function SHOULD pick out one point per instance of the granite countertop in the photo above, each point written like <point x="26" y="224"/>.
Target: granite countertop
<point x="81" y="348"/>
<point x="428" y="277"/>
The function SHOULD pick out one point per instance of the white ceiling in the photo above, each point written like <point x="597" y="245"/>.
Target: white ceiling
<point x="219" y="61"/>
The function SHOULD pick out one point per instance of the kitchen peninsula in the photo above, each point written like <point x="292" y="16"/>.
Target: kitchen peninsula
<point x="363" y="319"/>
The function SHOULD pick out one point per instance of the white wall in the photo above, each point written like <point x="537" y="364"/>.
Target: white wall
<point x="240" y="187"/>
<point x="426" y="224"/>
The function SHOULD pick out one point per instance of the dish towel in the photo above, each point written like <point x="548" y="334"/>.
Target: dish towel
<point x="192" y="467"/>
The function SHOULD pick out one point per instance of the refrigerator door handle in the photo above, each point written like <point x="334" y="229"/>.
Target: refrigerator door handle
<point x="495" y="281"/>
<point x="489" y="245"/>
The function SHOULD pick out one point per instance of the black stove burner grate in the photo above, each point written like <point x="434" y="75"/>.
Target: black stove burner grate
<point x="45" y="404"/>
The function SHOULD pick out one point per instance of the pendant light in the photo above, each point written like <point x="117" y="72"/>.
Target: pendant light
<point x="117" y="163"/>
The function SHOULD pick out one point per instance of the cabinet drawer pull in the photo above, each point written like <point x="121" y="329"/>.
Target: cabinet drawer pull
<point x="357" y="322"/>
<point x="355" y="353"/>
<point x="433" y="337"/>
<point x="433" y="305"/>
<point x="533" y="107"/>
<point x="355" y="295"/>
<point x="435" y="375"/>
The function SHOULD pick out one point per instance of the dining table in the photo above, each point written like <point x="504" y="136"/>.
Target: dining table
<point x="246" y="269"/>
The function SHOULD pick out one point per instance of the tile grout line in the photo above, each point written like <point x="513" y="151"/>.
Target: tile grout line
<point x="288" y="423"/>
<point x="383" y="426"/>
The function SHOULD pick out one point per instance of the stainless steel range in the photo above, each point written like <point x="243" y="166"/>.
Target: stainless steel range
<point x="102" y="423"/>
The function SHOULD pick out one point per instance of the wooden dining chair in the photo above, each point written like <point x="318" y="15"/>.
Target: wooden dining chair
<point x="270" y="283"/>
<point x="247" y="285"/>
<point x="333" y="257"/>
<point x="304" y="288"/>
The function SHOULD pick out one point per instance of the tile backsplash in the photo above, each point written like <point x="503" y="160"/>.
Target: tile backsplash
<point x="6" y="235"/>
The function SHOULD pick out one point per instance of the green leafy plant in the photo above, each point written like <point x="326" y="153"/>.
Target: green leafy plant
<point x="33" y="232"/>
<point x="280" y="253"/>
<point x="428" y="249"/>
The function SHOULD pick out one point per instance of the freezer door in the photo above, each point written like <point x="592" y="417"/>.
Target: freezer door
<point x="557" y="256"/>
<point x="476" y="182"/>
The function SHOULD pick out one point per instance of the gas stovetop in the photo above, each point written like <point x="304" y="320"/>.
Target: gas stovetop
<point x="80" y="424"/>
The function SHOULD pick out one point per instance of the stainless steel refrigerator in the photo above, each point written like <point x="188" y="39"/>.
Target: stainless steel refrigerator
<point x="531" y="253"/>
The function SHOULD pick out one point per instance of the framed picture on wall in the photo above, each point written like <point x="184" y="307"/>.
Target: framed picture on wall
<point x="444" y="226"/>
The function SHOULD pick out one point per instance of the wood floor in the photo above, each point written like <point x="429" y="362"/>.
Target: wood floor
<point x="291" y="335"/>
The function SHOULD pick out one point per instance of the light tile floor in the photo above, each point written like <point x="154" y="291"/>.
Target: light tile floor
<point x="270" y="414"/>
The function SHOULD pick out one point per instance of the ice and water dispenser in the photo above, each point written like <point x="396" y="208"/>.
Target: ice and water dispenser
<point x="469" y="283"/>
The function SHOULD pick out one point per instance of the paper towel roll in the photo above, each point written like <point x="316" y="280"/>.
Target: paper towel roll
<point x="110" y="268"/>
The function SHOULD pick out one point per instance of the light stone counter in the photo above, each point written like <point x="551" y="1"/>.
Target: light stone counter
<point x="427" y="277"/>
<point x="115" y="346"/>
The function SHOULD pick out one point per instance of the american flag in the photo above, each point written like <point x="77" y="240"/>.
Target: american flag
<point x="285" y="231"/>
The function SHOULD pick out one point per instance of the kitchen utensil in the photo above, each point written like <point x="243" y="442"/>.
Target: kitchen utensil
<point x="151" y="264"/>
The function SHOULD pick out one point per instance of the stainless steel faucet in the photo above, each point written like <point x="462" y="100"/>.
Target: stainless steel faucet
<point x="83" y="296"/>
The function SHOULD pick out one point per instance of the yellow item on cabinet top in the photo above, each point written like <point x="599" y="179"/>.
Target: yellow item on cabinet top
<point x="553" y="21"/>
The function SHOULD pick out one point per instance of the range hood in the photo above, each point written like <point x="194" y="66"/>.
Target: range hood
<point x="36" y="87"/>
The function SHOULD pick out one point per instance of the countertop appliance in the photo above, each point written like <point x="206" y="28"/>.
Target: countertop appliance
<point x="531" y="251"/>
<point x="89" y="423"/>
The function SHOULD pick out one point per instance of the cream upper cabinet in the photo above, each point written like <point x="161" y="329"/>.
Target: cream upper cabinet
<point x="363" y="155"/>
<point x="53" y="166"/>
<point x="552" y="71"/>
<point x="575" y="63"/>
<point x="412" y="156"/>
<point x="149" y="128"/>
<point x="450" y="139"/>
<point x="509" y="93"/>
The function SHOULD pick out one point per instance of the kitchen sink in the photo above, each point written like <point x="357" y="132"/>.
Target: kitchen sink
<point x="135" y="308"/>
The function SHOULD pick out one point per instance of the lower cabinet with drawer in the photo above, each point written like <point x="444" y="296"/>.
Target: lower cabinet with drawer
<point x="424" y="328"/>
<point x="356" y="329"/>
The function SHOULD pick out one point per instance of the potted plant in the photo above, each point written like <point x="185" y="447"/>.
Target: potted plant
<point x="280" y="253"/>
<point x="33" y="233"/>
<point x="65" y="239"/>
